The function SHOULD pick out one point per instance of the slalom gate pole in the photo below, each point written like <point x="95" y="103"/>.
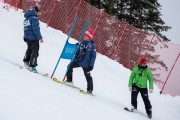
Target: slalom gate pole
<point x="79" y="40"/>
<point x="71" y="31"/>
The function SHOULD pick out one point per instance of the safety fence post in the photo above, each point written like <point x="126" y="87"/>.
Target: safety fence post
<point x="169" y="74"/>
<point x="52" y="11"/>
<point x="149" y="44"/>
<point x="116" y="47"/>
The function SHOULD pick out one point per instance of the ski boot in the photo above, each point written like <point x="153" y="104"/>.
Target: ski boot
<point x="133" y="109"/>
<point x="149" y="116"/>
<point x="89" y="91"/>
<point x="69" y="82"/>
<point x="33" y="69"/>
<point x="26" y="65"/>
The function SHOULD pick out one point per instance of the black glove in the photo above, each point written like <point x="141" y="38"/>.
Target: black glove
<point x="24" y="39"/>
<point x="90" y="68"/>
<point x="78" y="43"/>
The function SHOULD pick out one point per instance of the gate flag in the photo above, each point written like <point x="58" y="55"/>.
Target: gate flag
<point x="69" y="51"/>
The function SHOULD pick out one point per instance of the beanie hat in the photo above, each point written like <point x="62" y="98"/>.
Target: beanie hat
<point x="89" y="33"/>
<point x="35" y="8"/>
<point x="143" y="61"/>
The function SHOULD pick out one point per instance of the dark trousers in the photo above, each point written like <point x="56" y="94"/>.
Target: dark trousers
<point x="32" y="52"/>
<point x="144" y="95"/>
<point x="87" y="74"/>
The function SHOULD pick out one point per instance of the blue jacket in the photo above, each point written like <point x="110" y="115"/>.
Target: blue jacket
<point x="86" y="54"/>
<point x="31" y="26"/>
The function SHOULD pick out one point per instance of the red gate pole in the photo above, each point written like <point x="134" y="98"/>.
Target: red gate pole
<point x="169" y="74"/>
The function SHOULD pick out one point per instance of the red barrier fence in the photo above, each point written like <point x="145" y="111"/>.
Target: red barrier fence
<point x="114" y="38"/>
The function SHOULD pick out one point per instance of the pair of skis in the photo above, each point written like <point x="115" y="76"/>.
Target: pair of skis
<point x="56" y="80"/>
<point x="22" y="67"/>
<point x="47" y="75"/>
<point x="72" y="86"/>
<point x="43" y="74"/>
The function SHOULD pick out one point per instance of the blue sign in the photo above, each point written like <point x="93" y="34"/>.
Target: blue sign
<point x="69" y="51"/>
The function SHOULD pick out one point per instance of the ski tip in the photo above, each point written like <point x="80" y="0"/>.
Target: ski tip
<point x="127" y="109"/>
<point x="46" y="75"/>
<point x="85" y="92"/>
<point x="21" y="67"/>
<point x="56" y="80"/>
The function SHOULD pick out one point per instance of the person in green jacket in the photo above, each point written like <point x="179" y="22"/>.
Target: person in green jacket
<point x="138" y="81"/>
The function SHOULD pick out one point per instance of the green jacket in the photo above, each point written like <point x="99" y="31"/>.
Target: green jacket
<point x="139" y="79"/>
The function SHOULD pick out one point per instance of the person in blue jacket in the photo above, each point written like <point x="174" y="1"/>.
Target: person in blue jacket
<point x="85" y="57"/>
<point x="32" y="36"/>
